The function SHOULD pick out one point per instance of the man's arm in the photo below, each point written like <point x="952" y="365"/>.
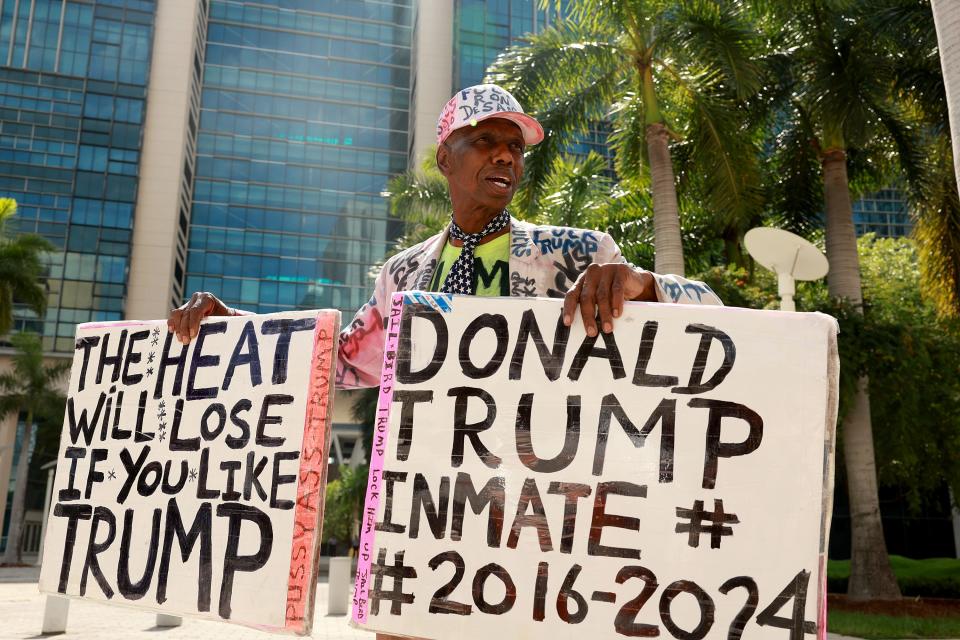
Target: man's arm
<point x="185" y="319"/>
<point x="360" y="346"/>
<point x="602" y="288"/>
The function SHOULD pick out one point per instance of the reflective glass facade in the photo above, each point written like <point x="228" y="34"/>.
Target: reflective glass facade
<point x="484" y="28"/>
<point x="884" y="213"/>
<point x="72" y="99"/>
<point x="304" y="117"/>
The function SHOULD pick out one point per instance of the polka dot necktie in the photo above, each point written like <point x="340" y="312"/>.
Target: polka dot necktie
<point x="460" y="278"/>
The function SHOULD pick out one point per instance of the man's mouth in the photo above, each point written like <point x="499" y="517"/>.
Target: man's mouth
<point x="500" y="182"/>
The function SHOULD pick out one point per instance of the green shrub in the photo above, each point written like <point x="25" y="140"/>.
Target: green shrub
<point x="930" y="578"/>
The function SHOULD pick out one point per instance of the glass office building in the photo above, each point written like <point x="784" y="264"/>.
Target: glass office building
<point x="73" y="79"/>
<point x="484" y="28"/>
<point x="884" y="213"/>
<point x="304" y="117"/>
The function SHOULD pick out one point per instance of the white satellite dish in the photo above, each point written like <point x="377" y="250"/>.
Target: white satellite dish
<point x="789" y="256"/>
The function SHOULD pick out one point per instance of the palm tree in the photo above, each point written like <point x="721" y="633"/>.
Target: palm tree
<point x="647" y="65"/>
<point x="837" y="86"/>
<point x="421" y="199"/>
<point x="21" y="268"/>
<point x="30" y="388"/>
<point x="909" y="26"/>
<point x="947" y="16"/>
<point x="575" y="191"/>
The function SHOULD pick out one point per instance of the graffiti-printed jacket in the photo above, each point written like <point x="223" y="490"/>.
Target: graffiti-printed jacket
<point x="545" y="261"/>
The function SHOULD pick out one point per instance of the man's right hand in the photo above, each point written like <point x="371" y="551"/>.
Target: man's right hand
<point x="185" y="320"/>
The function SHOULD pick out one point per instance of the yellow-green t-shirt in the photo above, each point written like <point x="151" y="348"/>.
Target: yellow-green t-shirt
<point x="491" y="267"/>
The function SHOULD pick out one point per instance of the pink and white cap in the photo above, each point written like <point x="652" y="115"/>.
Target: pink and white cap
<point x="480" y="102"/>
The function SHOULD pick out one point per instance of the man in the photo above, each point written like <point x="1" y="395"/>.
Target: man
<point x="481" y="137"/>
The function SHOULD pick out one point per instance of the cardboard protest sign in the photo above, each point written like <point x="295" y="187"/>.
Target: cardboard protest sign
<point x="191" y="478"/>
<point x="671" y="479"/>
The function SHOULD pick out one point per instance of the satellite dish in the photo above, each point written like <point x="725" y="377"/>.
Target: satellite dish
<point x="789" y="256"/>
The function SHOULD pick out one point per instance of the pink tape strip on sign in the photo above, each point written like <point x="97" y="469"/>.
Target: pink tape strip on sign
<point x="368" y="525"/>
<point x="822" y="597"/>
<point x="312" y="479"/>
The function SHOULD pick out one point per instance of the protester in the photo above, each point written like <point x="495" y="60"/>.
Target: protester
<point x="481" y="136"/>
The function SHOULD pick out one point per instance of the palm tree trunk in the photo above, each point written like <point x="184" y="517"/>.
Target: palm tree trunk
<point x="946" y="15"/>
<point x="12" y="553"/>
<point x="870" y="574"/>
<point x="666" y="213"/>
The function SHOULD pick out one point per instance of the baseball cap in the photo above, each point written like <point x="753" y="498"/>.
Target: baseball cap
<point x="480" y="102"/>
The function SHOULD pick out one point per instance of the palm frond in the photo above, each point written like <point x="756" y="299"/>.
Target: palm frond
<point x="627" y="139"/>
<point x="564" y="58"/>
<point x="719" y="39"/>
<point x="725" y="151"/>
<point x="563" y="120"/>
<point x="575" y="191"/>
<point x="32" y="385"/>
<point x="794" y="175"/>
<point x="937" y="231"/>
<point x="421" y="199"/>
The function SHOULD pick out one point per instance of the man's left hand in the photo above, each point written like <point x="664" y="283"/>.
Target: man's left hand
<point x="601" y="290"/>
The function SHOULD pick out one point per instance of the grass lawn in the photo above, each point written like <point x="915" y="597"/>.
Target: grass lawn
<point x="876" y="627"/>
<point x="934" y="577"/>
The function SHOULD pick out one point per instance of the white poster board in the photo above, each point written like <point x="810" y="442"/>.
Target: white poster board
<point x="190" y="479"/>
<point x="671" y="479"/>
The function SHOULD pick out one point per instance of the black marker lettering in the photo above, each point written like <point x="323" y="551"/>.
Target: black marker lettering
<point x="492" y="495"/>
<point x="166" y="360"/>
<point x="129" y="589"/>
<point x="199" y="360"/>
<point x="462" y="430"/>
<point x="270" y="400"/>
<point x="408" y="398"/>
<point x="640" y="376"/>
<point x="250" y="358"/>
<point x="550" y="359"/>
<point x="498" y="324"/>
<point x="200" y="530"/>
<point x="423" y="501"/>
<point x="603" y="519"/>
<point x="707" y="336"/>
<point x="113" y="361"/>
<point x="278" y="479"/>
<point x="389" y="479"/>
<point x="232" y="562"/>
<point x="715" y="449"/>
<point x="530" y="498"/>
<point x="94" y="548"/>
<point x="284" y="328"/>
<point x="588" y="349"/>
<point x="133" y="358"/>
<point x="404" y="373"/>
<point x="571" y="439"/>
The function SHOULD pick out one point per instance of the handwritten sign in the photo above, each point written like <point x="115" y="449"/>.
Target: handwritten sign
<point x="191" y="478"/>
<point x="670" y="479"/>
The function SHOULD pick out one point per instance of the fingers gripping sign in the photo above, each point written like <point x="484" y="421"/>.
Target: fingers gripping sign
<point x="600" y="292"/>
<point x="185" y="319"/>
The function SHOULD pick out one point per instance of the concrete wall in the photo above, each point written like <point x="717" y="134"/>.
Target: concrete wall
<point x="166" y="147"/>
<point x="433" y="73"/>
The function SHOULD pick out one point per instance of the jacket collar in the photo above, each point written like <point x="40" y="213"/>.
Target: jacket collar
<point x="522" y="249"/>
<point x="522" y="246"/>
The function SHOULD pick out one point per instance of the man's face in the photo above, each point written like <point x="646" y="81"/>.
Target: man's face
<point x="483" y="164"/>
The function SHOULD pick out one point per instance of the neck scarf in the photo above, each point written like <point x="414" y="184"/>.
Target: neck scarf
<point x="460" y="278"/>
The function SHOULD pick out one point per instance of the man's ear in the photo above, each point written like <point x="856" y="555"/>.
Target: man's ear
<point x="443" y="158"/>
